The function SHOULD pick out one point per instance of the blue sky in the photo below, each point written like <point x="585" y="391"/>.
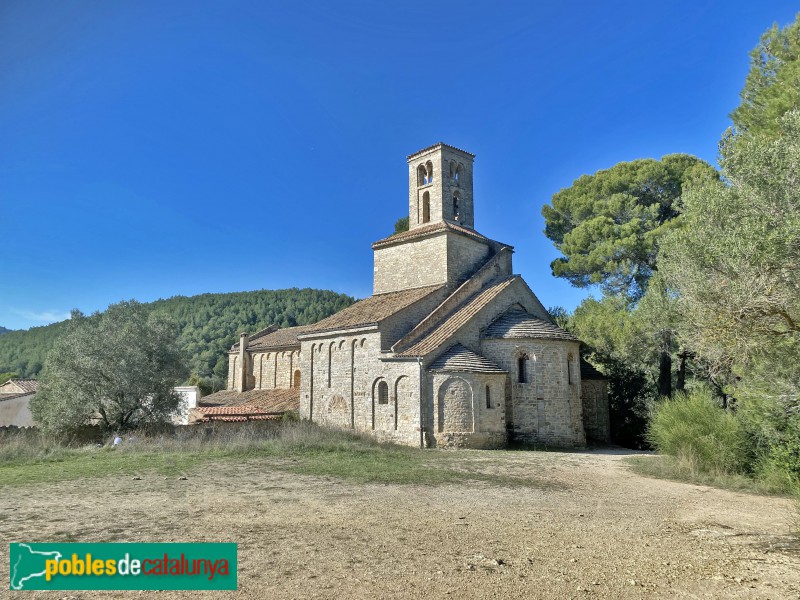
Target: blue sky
<point x="150" y="149"/>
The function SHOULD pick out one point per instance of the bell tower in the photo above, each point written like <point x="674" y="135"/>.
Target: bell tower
<point x="440" y="187"/>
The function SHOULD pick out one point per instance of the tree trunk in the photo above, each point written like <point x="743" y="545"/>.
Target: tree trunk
<point x="680" y="384"/>
<point x="665" y="374"/>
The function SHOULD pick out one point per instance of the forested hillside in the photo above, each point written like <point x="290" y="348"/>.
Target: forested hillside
<point x="209" y="324"/>
<point x="4" y="330"/>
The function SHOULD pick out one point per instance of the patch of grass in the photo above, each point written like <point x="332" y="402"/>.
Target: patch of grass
<point x="99" y="464"/>
<point x="305" y="449"/>
<point x="682" y="470"/>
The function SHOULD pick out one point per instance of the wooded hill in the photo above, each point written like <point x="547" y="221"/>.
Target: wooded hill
<point x="209" y="325"/>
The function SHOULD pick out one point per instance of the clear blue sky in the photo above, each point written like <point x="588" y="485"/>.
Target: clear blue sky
<point x="156" y="148"/>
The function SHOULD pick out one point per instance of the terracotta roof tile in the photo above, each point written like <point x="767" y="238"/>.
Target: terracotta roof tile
<point x="12" y="395"/>
<point x="462" y="359"/>
<point x="282" y="338"/>
<point x="424" y="230"/>
<point x="521" y="324"/>
<point x="237" y="418"/>
<point x="28" y="386"/>
<point x="373" y="310"/>
<point x="250" y="402"/>
<point x="440" y="334"/>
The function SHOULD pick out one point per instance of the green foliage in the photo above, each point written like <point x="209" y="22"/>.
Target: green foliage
<point x="119" y="366"/>
<point x="772" y="87"/>
<point x="6" y="376"/>
<point x="734" y="261"/>
<point x="695" y="431"/>
<point x="4" y="330"/>
<point x="608" y="225"/>
<point x="629" y="397"/>
<point x="560" y="316"/>
<point x="209" y="324"/>
<point x="401" y="225"/>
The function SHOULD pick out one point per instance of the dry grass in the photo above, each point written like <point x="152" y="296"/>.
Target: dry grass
<point x="299" y="447"/>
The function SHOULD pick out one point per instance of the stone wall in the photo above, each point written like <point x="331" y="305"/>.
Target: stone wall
<point x="457" y="413"/>
<point x="346" y="395"/>
<point x="546" y="407"/>
<point x="412" y="264"/>
<point x="440" y="190"/>
<point x="444" y="257"/>
<point x="464" y="257"/>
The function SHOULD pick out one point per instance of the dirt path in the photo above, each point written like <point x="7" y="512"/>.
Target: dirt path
<point x="589" y="529"/>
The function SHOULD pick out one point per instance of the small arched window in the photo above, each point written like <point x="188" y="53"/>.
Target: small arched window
<point x="426" y="207"/>
<point x="458" y="174"/>
<point x="522" y="368"/>
<point x="456" y="206"/>
<point x="422" y="175"/>
<point x="297" y="379"/>
<point x="452" y="169"/>
<point x="488" y="397"/>
<point x="429" y="168"/>
<point x="383" y="392"/>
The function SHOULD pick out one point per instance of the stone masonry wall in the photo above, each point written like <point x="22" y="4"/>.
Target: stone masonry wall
<point x="546" y="408"/>
<point x="275" y="370"/>
<point x="464" y="257"/>
<point x="457" y="413"/>
<point x="346" y="394"/>
<point x="441" y="188"/>
<point x="412" y="264"/>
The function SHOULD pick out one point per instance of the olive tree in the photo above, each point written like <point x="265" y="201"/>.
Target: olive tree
<point x="118" y="368"/>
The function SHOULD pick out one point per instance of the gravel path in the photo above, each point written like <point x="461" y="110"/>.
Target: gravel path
<point x="588" y="528"/>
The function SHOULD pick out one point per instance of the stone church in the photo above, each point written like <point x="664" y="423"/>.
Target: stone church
<point x="451" y="350"/>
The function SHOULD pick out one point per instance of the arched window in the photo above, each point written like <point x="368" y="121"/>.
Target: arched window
<point x="383" y="392"/>
<point x="429" y="168"/>
<point x="488" y="397"/>
<point x="522" y="368"/>
<point x="426" y="207"/>
<point x="456" y="206"/>
<point x="452" y="169"/>
<point x="459" y="170"/>
<point x="296" y="381"/>
<point x="422" y="175"/>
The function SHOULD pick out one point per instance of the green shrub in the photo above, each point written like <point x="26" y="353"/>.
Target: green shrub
<point x="700" y="435"/>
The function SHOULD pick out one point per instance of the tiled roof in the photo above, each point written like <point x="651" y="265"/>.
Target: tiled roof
<point x="436" y="145"/>
<point x="251" y="402"/>
<point x="28" y="386"/>
<point x="439" y="335"/>
<point x="520" y="324"/>
<point x="255" y="336"/>
<point x="373" y="309"/>
<point x="459" y="358"/>
<point x="12" y="395"/>
<point x="418" y="232"/>
<point x="237" y="418"/>
<point x="282" y="338"/>
<point x="589" y="372"/>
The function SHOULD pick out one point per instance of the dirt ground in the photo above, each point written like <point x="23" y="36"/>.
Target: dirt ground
<point x="589" y="528"/>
